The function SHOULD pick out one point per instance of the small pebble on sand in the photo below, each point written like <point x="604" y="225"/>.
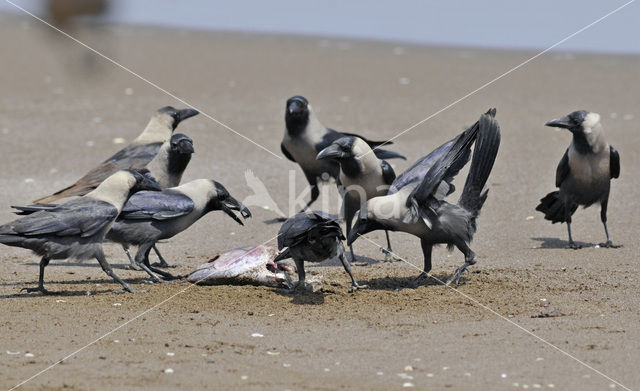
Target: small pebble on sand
<point x="408" y="368"/>
<point x="128" y="91"/>
<point x="404" y="81"/>
<point x="171" y="354"/>
<point x="29" y="180"/>
<point x="379" y="373"/>
<point x="12" y="352"/>
<point x="119" y="140"/>
<point x="28" y="355"/>
<point x="244" y="377"/>
<point x="530" y="218"/>
<point x="90" y="143"/>
<point x="117" y="304"/>
<point x="286" y="365"/>
<point x="257" y="335"/>
<point x="504" y="375"/>
<point x="168" y="370"/>
<point x="407" y="385"/>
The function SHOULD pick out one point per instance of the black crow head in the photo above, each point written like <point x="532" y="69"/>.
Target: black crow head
<point x="340" y="149"/>
<point x="181" y="144"/>
<point x="223" y="201"/>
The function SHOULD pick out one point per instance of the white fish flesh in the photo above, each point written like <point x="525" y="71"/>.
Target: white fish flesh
<point x="252" y="265"/>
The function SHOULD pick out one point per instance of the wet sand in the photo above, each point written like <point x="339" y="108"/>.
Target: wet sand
<point x="61" y="108"/>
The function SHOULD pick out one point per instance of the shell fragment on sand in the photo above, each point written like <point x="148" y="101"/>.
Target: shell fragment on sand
<point x="241" y="265"/>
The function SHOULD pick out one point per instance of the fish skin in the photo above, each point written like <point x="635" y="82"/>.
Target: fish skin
<point x="240" y="265"/>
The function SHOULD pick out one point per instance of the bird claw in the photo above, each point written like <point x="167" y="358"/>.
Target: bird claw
<point x="132" y="267"/>
<point x="356" y="286"/>
<point x="119" y="291"/>
<point x="456" y="276"/>
<point x="389" y="256"/>
<point x="416" y="281"/>
<point x="609" y="244"/>
<point x="38" y="289"/>
<point x="163" y="265"/>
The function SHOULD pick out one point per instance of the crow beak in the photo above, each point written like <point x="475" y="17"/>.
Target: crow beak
<point x="362" y="227"/>
<point x="147" y="183"/>
<point x="185" y="147"/>
<point x="230" y="204"/>
<point x="333" y="151"/>
<point x="186" y="113"/>
<point x="295" y="107"/>
<point x="563" y="122"/>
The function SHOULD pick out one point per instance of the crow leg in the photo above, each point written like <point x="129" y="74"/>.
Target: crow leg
<point x="142" y="258"/>
<point x="162" y="262"/>
<point x="603" y="217"/>
<point x="388" y="252"/>
<point x="43" y="263"/>
<point x="315" y="193"/>
<point x="572" y="244"/>
<point x="347" y="267"/>
<point x="133" y="265"/>
<point x="301" y="276"/>
<point x="469" y="259"/>
<point x="102" y="260"/>
<point x="427" y="248"/>
<point x="350" y="209"/>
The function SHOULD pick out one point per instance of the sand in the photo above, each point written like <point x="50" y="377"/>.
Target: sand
<point x="61" y="108"/>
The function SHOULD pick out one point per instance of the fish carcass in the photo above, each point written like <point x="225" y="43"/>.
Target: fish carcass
<point x="253" y="265"/>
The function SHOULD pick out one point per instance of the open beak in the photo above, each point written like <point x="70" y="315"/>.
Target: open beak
<point x="563" y="122"/>
<point x="333" y="151"/>
<point x="186" y="113"/>
<point x="230" y="204"/>
<point x="186" y="147"/>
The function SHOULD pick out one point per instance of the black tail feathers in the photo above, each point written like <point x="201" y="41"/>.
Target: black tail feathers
<point x="484" y="156"/>
<point x="553" y="208"/>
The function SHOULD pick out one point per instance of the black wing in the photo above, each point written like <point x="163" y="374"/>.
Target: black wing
<point x="614" y="164"/>
<point x="83" y="217"/>
<point x="437" y="180"/>
<point x="155" y="205"/>
<point x="563" y="169"/>
<point x="286" y="153"/>
<point x="333" y="135"/>
<point x="388" y="175"/>
<point x="135" y="156"/>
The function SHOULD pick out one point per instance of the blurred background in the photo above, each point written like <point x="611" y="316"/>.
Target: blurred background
<point x="466" y="23"/>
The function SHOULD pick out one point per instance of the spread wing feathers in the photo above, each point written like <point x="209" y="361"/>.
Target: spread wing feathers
<point x="155" y="205"/>
<point x="82" y="217"/>
<point x="563" y="169"/>
<point x="436" y="182"/>
<point x="416" y="172"/>
<point x="132" y="156"/>
<point x="614" y="164"/>
<point x="308" y="226"/>
<point x="388" y="175"/>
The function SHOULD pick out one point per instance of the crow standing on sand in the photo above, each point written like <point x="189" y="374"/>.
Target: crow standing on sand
<point x="362" y="175"/>
<point x="151" y="216"/>
<point x="584" y="173"/>
<point x="76" y="228"/>
<point x="415" y="203"/>
<point x="305" y="137"/>
<point x="166" y="168"/>
<point x="312" y="237"/>
<point x="135" y="155"/>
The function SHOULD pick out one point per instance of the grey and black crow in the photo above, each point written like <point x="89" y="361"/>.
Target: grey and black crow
<point x="312" y="237"/>
<point x="415" y="203"/>
<point x="362" y="176"/>
<point x="584" y="173"/>
<point x="136" y="155"/>
<point x="151" y="216"/>
<point x="76" y="229"/>
<point x="305" y="137"/>
<point x="166" y="168"/>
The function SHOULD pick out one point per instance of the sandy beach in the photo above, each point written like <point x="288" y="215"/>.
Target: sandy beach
<point x="62" y="108"/>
